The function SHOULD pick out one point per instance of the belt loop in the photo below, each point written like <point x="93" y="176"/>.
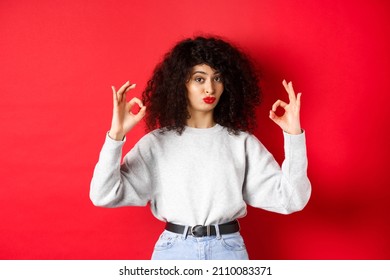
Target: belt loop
<point x="217" y="231"/>
<point x="185" y="233"/>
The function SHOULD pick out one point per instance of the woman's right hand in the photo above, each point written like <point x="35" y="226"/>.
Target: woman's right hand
<point x="123" y="120"/>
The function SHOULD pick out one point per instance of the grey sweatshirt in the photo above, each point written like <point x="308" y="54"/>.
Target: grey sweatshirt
<point x="204" y="176"/>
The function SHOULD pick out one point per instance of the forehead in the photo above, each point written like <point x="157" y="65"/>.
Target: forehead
<point x="204" y="68"/>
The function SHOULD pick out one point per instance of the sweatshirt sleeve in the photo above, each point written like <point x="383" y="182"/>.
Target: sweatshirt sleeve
<point x="114" y="184"/>
<point x="278" y="189"/>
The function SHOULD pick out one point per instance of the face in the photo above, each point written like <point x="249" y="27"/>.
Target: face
<point x="204" y="89"/>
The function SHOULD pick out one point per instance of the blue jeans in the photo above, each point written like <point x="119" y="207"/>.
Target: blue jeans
<point x="174" y="246"/>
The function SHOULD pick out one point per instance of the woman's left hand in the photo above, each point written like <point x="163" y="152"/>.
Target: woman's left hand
<point x="289" y="121"/>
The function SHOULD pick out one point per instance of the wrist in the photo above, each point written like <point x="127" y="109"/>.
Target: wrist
<point x="116" y="136"/>
<point x="294" y="131"/>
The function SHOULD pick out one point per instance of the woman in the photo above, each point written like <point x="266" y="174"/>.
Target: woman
<point x="199" y="166"/>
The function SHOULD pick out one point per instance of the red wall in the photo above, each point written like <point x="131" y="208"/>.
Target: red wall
<point x="58" y="60"/>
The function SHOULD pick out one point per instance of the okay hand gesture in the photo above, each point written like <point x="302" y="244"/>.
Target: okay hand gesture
<point x="289" y="121"/>
<point x="123" y="119"/>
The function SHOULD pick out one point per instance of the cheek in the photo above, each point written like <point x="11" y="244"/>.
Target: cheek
<point x="220" y="90"/>
<point x="190" y="92"/>
<point x="191" y="95"/>
<point x="191" y="89"/>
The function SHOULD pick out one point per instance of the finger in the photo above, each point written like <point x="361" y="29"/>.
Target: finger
<point x="123" y="89"/>
<point x="127" y="90"/>
<point x="292" y="95"/>
<point x="285" y="84"/>
<point x="135" y="100"/>
<point x="290" y="90"/>
<point x="131" y="104"/>
<point x="129" y="87"/>
<point x="299" y="99"/>
<point x="274" y="117"/>
<point x="279" y="103"/>
<point x="141" y="113"/>
<point x="115" y="97"/>
<point x="126" y="87"/>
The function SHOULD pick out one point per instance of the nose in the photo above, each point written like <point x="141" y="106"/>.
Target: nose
<point x="209" y="87"/>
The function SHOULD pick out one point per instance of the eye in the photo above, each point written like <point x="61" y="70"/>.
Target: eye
<point x="199" y="79"/>
<point x="218" y="79"/>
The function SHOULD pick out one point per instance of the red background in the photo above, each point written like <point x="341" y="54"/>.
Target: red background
<point x="58" y="60"/>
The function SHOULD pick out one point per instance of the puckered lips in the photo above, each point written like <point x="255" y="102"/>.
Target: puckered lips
<point x="209" y="99"/>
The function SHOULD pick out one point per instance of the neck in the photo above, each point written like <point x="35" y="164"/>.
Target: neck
<point x="201" y="120"/>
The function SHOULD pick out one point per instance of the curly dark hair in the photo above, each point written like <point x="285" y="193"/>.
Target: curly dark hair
<point x="165" y="95"/>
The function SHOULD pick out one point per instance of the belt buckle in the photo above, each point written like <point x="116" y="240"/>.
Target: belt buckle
<point x="193" y="229"/>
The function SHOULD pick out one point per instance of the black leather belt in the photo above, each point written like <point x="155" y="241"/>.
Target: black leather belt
<point x="201" y="231"/>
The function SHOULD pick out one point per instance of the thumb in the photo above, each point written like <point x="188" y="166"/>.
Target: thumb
<point x="137" y="117"/>
<point x="141" y="113"/>
<point x="278" y="120"/>
<point x="273" y="116"/>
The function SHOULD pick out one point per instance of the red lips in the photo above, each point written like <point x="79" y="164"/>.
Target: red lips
<point x="209" y="99"/>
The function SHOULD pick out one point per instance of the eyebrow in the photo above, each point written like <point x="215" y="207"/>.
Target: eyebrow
<point x="204" y="73"/>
